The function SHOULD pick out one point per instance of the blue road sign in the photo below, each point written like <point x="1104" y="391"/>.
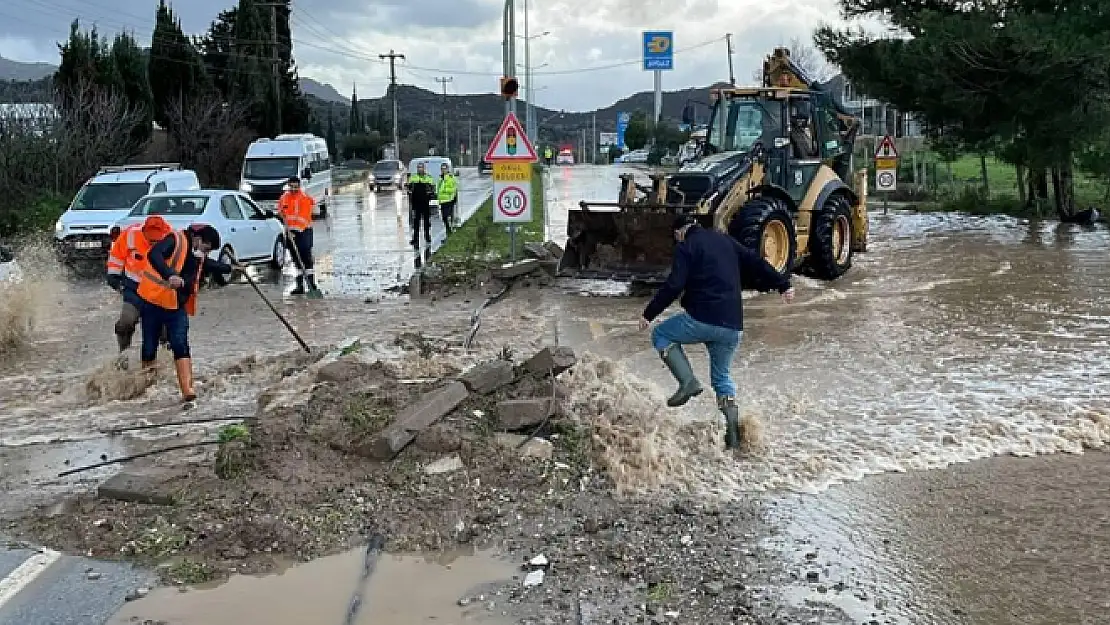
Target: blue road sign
<point x="622" y="125"/>
<point x="658" y="50"/>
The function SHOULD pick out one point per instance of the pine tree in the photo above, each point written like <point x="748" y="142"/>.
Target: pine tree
<point x="130" y="75"/>
<point x="356" y="125"/>
<point x="176" y="70"/>
<point x="330" y="136"/>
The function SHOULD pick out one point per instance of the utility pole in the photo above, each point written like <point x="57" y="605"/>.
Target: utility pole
<point x="593" y="139"/>
<point x="273" y="6"/>
<point x="446" y="146"/>
<point x="470" y="140"/>
<point x="731" y="74"/>
<point x="393" y="56"/>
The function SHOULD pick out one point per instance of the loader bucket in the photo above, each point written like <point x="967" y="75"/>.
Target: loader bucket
<point x="611" y="244"/>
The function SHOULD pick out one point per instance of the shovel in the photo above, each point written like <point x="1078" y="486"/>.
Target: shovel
<point x="281" y="318"/>
<point x="313" y="293"/>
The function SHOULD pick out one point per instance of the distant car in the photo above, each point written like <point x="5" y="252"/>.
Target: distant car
<point x="247" y="232"/>
<point x="9" y="269"/>
<point x="564" y="157"/>
<point x="485" y="168"/>
<point x="356" y="163"/>
<point x="389" y="173"/>
<point x="635" y="156"/>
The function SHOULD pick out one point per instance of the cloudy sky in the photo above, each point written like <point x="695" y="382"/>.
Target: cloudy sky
<point x="588" y="59"/>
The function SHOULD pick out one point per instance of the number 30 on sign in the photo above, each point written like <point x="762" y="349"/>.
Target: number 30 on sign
<point x="512" y="202"/>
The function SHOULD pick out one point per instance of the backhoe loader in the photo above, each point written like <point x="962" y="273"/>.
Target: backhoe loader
<point x="772" y="174"/>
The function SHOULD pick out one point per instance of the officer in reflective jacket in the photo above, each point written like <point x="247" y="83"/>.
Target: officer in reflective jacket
<point x="168" y="286"/>
<point x="125" y="260"/>
<point x="447" y="193"/>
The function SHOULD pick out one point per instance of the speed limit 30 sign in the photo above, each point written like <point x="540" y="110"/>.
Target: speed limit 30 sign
<point x="512" y="192"/>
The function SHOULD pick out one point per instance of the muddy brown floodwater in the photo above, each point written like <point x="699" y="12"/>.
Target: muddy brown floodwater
<point x="918" y="417"/>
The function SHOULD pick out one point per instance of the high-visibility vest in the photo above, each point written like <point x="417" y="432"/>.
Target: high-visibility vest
<point x="296" y="210"/>
<point x="128" y="252"/>
<point x="156" y="290"/>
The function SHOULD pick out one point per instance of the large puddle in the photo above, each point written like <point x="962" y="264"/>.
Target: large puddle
<point x="401" y="590"/>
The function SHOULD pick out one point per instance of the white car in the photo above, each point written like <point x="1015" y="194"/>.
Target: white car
<point x="247" y="232"/>
<point x="9" y="269"/>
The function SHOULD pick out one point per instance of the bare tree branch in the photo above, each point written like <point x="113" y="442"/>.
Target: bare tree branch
<point x="210" y="137"/>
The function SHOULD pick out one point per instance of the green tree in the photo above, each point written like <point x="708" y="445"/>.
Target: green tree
<point x="130" y="72"/>
<point x="356" y="123"/>
<point x="330" y="135"/>
<point x="638" y="132"/>
<point x="175" y="69"/>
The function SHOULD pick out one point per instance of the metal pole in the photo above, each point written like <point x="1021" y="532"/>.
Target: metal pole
<point x="731" y="74"/>
<point x="512" y="47"/>
<point x="506" y="67"/>
<point x="658" y="95"/>
<point x="527" y="75"/>
<point x="593" y="140"/>
<point x="446" y="145"/>
<point x="393" y="56"/>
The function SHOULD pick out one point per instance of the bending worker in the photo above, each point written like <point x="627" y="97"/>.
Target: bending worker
<point x="708" y="270"/>
<point x="447" y="193"/>
<point x="421" y="190"/>
<point x="168" y="286"/>
<point x="295" y="209"/>
<point x="125" y="262"/>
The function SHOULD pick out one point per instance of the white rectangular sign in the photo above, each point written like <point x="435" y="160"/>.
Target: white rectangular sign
<point x="886" y="179"/>
<point x="512" y="202"/>
<point x="607" y="138"/>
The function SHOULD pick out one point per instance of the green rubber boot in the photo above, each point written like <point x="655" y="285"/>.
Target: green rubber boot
<point x="688" y="385"/>
<point x="734" y="432"/>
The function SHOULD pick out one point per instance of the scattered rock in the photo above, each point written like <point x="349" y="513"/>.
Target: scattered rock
<point x="136" y="487"/>
<point x="439" y="439"/>
<point x="513" y="270"/>
<point x="412" y="420"/>
<point x="136" y="594"/>
<point x="519" y="414"/>
<point x="534" y="578"/>
<point x="551" y="359"/>
<point x="446" y="464"/>
<point x="540" y="561"/>
<point x="714" y="588"/>
<point x="813" y="576"/>
<point x="345" y="369"/>
<point x="92" y="575"/>
<point x="488" y="376"/>
<point x="527" y="447"/>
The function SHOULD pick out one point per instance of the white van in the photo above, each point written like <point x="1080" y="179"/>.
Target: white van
<point x="270" y="163"/>
<point x="83" y="232"/>
<point x="432" y="166"/>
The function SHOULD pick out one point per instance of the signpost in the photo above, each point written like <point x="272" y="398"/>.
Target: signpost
<point x="658" y="57"/>
<point x="511" y="153"/>
<point x="886" y="168"/>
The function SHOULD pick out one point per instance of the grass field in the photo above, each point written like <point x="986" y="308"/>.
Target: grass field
<point x="481" y="240"/>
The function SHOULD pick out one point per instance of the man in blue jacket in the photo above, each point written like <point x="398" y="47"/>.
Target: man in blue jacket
<point x="708" y="270"/>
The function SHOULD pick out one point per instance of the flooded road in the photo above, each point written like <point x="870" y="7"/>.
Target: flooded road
<point x="954" y="339"/>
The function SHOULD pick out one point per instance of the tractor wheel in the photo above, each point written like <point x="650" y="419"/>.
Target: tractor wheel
<point x="765" y="225"/>
<point x="830" y="241"/>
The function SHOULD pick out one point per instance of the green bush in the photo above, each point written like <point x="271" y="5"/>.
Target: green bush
<point x="33" y="215"/>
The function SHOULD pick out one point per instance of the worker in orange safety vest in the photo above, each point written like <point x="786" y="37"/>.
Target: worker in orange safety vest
<point x="168" y="284"/>
<point x="295" y="211"/>
<point x="125" y="261"/>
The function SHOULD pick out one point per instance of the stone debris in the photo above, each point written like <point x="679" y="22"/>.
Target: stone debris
<point x="489" y="376"/>
<point x="540" y="560"/>
<point x="534" y="578"/>
<point x="537" y="251"/>
<point x="520" y="414"/>
<point x="136" y="487"/>
<point x="412" y="420"/>
<point x="345" y="369"/>
<point x="515" y="270"/>
<point x="447" y="464"/>
<point x="551" y="359"/>
<point x="540" y="448"/>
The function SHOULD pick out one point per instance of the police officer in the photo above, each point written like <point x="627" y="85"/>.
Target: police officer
<point x="295" y="208"/>
<point x="421" y="190"/>
<point x="447" y="193"/>
<point x="547" y="154"/>
<point x="125" y="260"/>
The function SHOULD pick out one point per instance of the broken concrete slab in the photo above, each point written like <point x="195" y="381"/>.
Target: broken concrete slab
<point x="550" y="267"/>
<point x="537" y="251"/>
<point x="489" y="376"/>
<point x="526" y="447"/>
<point x="421" y="414"/>
<point x="446" y="464"/>
<point x="554" y="359"/>
<point x="518" y="414"/>
<point x="517" y="269"/>
<point x="137" y="487"/>
<point x="554" y="249"/>
<point x="439" y="439"/>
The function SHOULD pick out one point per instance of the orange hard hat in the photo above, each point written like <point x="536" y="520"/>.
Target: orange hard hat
<point x="155" y="228"/>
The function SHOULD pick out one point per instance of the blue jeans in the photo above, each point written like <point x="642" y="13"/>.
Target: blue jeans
<point x="176" y="323"/>
<point x="721" y="343"/>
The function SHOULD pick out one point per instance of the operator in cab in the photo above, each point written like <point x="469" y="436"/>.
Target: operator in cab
<point x="709" y="270"/>
<point x="295" y="211"/>
<point x="125" y="261"/>
<point x="168" y="284"/>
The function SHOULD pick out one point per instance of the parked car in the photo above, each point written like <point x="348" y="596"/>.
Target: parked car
<point x="248" y="232"/>
<point x="635" y="156"/>
<point x="83" y="233"/>
<point x="485" y="168"/>
<point x="9" y="269"/>
<point x="388" y="173"/>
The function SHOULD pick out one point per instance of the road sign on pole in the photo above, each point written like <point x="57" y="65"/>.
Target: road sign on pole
<point x="512" y="192"/>
<point x="658" y="50"/>
<point x="886" y="165"/>
<point x="511" y="143"/>
<point x="886" y="179"/>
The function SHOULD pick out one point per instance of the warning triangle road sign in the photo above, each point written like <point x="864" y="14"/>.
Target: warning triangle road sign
<point x="886" y="148"/>
<point x="511" y="144"/>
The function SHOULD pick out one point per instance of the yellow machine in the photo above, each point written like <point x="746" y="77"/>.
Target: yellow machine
<point x="776" y="175"/>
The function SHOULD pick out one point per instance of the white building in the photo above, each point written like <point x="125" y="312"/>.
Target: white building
<point x="877" y="118"/>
